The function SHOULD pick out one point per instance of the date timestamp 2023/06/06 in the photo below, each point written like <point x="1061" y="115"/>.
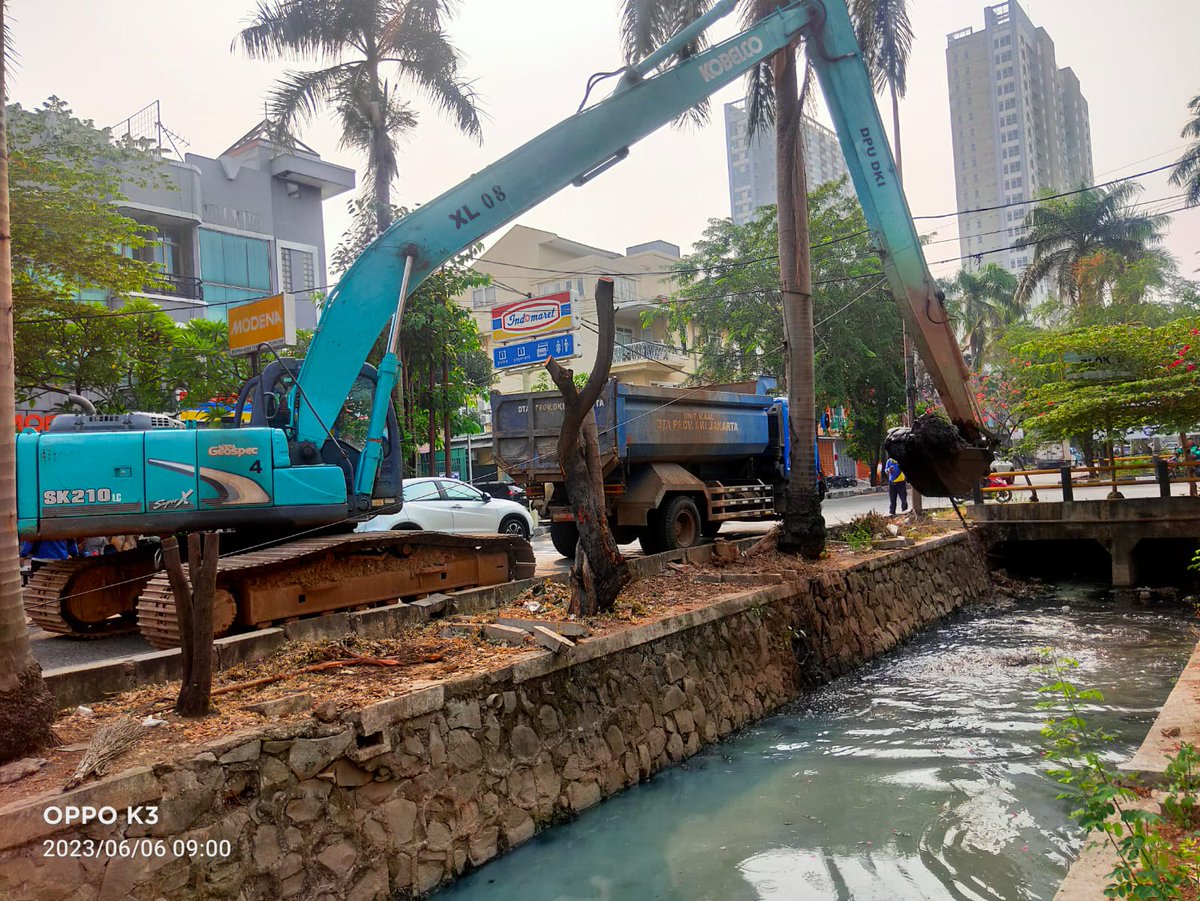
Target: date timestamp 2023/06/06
<point x="130" y="848"/>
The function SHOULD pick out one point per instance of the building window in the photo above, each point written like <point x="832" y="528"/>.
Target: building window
<point x="297" y="269"/>
<point x="575" y="286"/>
<point x="624" y="290"/>
<point x="233" y="267"/>
<point x="483" y="298"/>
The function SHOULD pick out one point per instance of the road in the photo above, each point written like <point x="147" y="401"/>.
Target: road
<point x="55" y="651"/>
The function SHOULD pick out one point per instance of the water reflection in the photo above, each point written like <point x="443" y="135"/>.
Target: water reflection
<point x="918" y="777"/>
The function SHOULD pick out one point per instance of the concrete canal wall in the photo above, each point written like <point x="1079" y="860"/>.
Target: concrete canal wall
<point x="406" y="794"/>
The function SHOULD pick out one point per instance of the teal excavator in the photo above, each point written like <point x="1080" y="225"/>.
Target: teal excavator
<point x="286" y="491"/>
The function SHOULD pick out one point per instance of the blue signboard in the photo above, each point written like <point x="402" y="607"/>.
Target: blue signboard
<point x="509" y="355"/>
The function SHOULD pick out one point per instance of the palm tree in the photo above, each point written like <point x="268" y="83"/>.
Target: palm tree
<point x="885" y="36"/>
<point x="983" y="302"/>
<point x="26" y="705"/>
<point x="1187" y="170"/>
<point x="774" y="88"/>
<point x="364" y="39"/>
<point x="1071" y="237"/>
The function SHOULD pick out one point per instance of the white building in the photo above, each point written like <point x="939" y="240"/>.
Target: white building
<point x="752" y="161"/>
<point x="529" y="261"/>
<point x="1020" y="127"/>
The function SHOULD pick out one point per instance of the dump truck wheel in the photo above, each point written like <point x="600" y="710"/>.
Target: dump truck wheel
<point x="564" y="536"/>
<point x="675" y="526"/>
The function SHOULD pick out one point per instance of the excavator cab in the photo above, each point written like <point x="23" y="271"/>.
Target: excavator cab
<point x="270" y="396"/>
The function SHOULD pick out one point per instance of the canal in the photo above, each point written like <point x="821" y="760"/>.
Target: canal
<point x="918" y="777"/>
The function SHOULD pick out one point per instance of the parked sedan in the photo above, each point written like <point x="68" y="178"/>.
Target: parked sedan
<point x="448" y="505"/>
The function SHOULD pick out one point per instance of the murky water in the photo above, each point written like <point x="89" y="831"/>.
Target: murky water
<point x="919" y="777"/>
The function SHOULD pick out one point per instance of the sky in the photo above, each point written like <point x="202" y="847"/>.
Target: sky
<point x="529" y="61"/>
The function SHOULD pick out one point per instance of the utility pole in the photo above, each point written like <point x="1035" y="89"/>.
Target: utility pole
<point x="910" y="368"/>
<point x="26" y="705"/>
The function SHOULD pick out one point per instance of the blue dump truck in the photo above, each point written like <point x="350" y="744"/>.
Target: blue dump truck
<point x="678" y="462"/>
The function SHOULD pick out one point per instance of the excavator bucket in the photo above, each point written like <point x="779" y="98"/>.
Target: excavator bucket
<point x="936" y="459"/>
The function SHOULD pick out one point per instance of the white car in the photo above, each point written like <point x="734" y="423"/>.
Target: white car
<point x="448" y="505"/>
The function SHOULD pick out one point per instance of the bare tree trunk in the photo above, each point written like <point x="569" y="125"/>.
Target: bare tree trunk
<point x="194" y="610"/>
<point x="446" y="436"/>
<point x="600" y="571"/>
<point x="26" y="705"/>
<point x="803" y="527"/>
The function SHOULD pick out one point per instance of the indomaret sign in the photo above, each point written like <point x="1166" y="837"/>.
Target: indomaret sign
<point x="269" y="320"/>
<point x="528" y="318"/>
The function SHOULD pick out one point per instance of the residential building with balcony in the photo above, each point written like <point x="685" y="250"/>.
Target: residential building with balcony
<point x="529" y="261"/>
<point x="246" y="224"/>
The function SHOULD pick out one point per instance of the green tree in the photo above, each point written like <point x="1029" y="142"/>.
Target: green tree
<point x="983" y="303"/>
<point x="70" y="241"/>
<point x="1111" y="378"/>
<point x="136" y="357"/>
<point x="200" y="366"/>
<point x="773" y="93"/>
<point x="1074" y="237"/>
<point x="364" y="40"/>
<point x="1186" y="173"/>
<point x="68" y="235"/>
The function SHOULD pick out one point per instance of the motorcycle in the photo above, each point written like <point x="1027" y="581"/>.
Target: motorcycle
<point x="996" y="481"/>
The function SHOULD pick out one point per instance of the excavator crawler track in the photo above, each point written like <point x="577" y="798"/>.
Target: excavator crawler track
<point x="89" y="597"/>
<point x="315" y="576"/>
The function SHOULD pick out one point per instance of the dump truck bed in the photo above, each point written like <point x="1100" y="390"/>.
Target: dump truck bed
<point x="637" y="424"/>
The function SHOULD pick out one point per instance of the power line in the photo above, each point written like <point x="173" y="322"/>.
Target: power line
<point x="1037" y="200"/>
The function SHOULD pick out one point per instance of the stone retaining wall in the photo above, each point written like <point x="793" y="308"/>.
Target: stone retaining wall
<point x="408" y="793"/>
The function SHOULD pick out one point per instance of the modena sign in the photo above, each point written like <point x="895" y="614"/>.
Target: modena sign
<point x="269" y="320"/>
<point x="527" y="318"/>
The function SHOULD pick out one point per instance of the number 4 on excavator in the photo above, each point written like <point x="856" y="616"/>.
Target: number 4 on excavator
<point x="286" y="471"/>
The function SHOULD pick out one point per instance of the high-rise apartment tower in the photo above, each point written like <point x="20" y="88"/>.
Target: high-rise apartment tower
<point x="1020" y="128"/>
<point x="752" y="162"/>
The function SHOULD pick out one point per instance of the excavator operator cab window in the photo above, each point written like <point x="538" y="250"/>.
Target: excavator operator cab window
<point x="354" y="419"/>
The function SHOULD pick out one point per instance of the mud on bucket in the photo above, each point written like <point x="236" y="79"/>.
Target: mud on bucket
<point x="936" y="459"/>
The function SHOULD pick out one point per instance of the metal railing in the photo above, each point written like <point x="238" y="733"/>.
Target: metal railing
<point x="170" y="285"/>
<point x="638" y="351"/>
<point x="1120" y="471"/>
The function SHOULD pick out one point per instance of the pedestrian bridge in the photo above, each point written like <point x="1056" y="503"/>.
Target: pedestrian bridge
<point x="1148" y="540"/>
